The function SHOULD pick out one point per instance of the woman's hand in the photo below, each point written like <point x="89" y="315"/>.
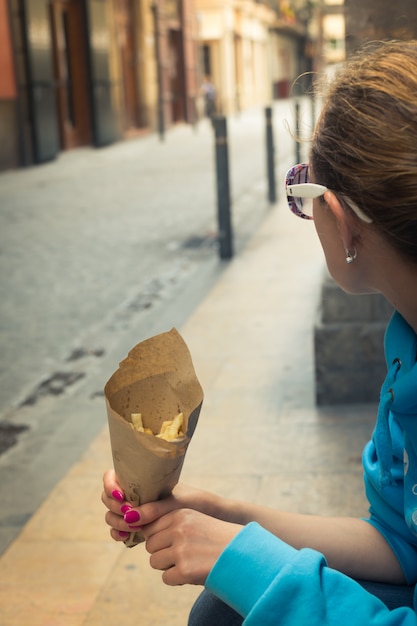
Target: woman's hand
<point x="185" y="544"/>
<point x="123" y="517"/>
<point x="114" y="499"/>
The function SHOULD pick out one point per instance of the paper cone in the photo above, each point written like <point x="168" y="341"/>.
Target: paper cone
<point x="157" y="379"/>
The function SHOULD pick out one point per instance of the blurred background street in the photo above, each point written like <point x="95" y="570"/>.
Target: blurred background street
<point x="109" y="234"/>
<point x="96" y="236"/>
<point x="99" y="250"/>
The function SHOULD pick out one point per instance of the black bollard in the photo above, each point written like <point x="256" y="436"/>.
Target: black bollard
<point x="270" y="156"/>
<point x="225" y="235"/>
<point x="313" y="110"/>
<point x="297" y="132"/>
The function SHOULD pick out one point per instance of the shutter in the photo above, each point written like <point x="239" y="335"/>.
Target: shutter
<point x="104" y="128"/>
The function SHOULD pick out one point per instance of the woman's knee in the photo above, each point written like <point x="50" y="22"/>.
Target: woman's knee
<point x="209" y="610"/>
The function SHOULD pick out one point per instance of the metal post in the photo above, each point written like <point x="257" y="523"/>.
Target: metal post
<point x="161" y="121"/>
<point x="225" y="235"/>
<point x="270" y="156"/>
<point x="297" y="132"/>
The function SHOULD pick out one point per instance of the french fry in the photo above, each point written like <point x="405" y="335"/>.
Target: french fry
<point x="137" y="424"/>
<point x="170" y="429"/>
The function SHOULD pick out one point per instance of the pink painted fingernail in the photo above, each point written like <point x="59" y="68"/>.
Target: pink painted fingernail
<point x="131" y="517"/>
<point x="118" y="495"/>
<point x="123" y="533"/>
<point x="125" y="508"/>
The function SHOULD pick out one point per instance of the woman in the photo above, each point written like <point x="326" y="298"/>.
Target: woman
<point x="261" y="566"/>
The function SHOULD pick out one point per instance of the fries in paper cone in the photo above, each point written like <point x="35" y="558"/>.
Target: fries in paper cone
<point x="157" y="382"/>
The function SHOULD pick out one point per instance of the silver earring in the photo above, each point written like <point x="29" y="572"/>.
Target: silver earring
<point x="351" y="256"/>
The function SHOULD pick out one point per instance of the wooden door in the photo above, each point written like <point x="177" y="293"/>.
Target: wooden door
<point x="70" y="68"/>
<point x="190" y="60"/>
<point x="127" y="49"/>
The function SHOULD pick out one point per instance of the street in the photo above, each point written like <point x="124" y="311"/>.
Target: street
<point x="99" y="250"/>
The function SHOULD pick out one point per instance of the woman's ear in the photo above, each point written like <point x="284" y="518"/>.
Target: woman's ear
<point x="346" y="223"/>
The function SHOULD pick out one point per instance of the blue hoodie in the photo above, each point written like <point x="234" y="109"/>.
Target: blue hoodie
<point x="268" y="582"/>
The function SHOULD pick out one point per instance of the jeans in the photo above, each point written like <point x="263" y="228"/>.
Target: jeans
<point x="208" y="610"/>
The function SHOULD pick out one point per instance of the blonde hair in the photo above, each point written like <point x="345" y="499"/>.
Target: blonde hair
<point x="365" y="142"/>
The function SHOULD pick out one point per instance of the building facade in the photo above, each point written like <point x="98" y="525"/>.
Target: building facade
<point x="375" y="20"/>
<point x="234" y="51"/>
<point x="91" y="72"/>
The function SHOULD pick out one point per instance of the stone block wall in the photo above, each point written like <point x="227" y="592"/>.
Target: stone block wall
<point x="348" y="346"/>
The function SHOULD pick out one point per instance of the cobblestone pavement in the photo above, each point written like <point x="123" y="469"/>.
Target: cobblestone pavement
<point x="98" y="235"/>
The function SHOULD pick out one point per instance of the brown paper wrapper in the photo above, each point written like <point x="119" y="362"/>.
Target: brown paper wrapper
<point x="157" y="379"/>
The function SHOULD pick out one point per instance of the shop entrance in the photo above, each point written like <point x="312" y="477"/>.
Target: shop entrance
<point x="70" y="72"/>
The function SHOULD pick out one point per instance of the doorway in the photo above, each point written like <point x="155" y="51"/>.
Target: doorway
<point x="176" y="75"/>
<point x="70" y="72"/>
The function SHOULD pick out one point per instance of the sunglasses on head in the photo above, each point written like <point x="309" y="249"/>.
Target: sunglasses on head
<point x="301" y="193"/>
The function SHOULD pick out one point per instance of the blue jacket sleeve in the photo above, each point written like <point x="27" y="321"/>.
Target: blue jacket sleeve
<point x="269" y="583"/>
